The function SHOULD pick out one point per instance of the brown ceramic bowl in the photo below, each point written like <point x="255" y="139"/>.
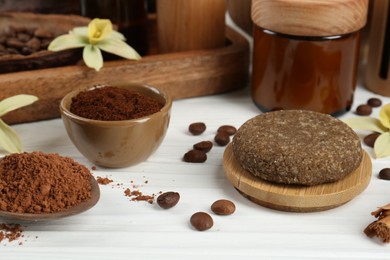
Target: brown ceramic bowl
<point x="118" y="144"/>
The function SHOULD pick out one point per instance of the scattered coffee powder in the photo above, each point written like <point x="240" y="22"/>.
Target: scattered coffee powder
<point x="197" y="128"/>
<point x="113" y="104"/>
<point x="201" y="221"/>
<point x="384" y="174"/>
<point x="370" y="139"/>
<point x="364" y="110"/>
<point x="204" y="146"/>
<point x="42" y="183"/>
<point x="103" y="181"/>
<point x="136" y="195"/>
<point x="10" y="232"/>
<point x="195" y="156"/>
<point x="223" y="207"/>
<point x="374" y="102"/>
<point x="168" y="199"/>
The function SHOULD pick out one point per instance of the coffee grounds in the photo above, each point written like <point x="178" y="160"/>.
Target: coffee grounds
<point x="103" y="181"/>
<point x="137" y="195"/>
<point x="113" y="104"/>
<point x="10" y="232"/>
<point x="42" y="183"/>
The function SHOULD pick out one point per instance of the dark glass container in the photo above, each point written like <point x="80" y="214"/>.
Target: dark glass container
<point x="301" y="72"/>
<point x="306" y="54"/>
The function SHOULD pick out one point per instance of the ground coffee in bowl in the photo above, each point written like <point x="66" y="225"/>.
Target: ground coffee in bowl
<point x="113" y="104"/>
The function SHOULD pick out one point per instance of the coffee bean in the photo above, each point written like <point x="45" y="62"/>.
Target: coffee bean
<point x="34" y="44"/>
<point x="42" y="33"/>
<point x="222" y="138"/>
<point x="363" y="110"/>
<point x="223" y="207"/>
<point x="370" y="139"/>
<point x="20" y="30"/>
<point x="195" y="156"/>
<point x="197" y="128"/>
<point x="230" y="130"/>
<point x="14" y="43"/>
<point x="201" y="221"/>
<point x="384" y="174"/>
<point x="374" y="102"/>
<point x="168" y="199"/>
<point x="23" y="37"/>
<point x="204" y="146"/>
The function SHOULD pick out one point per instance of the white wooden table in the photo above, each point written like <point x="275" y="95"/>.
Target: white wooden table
<point x="117" y="228"/>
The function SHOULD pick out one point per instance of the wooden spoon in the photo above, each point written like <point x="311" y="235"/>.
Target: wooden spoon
<point x="79" y="208"/>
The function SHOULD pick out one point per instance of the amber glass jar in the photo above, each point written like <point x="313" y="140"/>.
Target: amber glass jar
<point x="303" y="58"/>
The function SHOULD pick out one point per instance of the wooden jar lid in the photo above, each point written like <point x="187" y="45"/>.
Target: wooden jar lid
<point x="310" y="17"/>
<point x="297" y="198"/>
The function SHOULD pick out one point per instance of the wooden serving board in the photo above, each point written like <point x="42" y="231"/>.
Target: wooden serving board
<point x="296" y="198"/>
<point x="181" y="75"/>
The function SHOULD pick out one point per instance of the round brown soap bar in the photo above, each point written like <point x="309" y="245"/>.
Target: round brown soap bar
<point x="297" y="147"/>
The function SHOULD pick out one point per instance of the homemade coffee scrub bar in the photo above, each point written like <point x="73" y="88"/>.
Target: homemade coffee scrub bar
<point x="297" y="147"/>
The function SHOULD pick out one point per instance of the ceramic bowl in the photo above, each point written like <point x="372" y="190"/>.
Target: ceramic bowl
<point x="116" y="144"/>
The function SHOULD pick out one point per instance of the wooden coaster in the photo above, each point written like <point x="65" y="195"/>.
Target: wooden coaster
<point x="296" y="198"/>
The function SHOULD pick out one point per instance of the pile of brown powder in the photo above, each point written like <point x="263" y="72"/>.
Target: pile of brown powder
<point x="42" y="183"/>
<point x="113" y="104"/>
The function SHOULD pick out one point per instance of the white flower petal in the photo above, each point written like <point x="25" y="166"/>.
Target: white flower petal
<point x="382" y="145"/>
<point x="365" y="123"/>
<point x="93" y="57"/>
<point x="15" y="102"/>
<point x="118" y="47"/>
<point x="9" y="139"/>
<point x="116" y="35"/>
<point x="82" y="31"/>
<point x="67" y="41"/>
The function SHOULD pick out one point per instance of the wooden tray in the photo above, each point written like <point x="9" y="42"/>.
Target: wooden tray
<point x="297" y="198"/>
<point x="54" y="23"/>
<point x="182" y="75"/>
